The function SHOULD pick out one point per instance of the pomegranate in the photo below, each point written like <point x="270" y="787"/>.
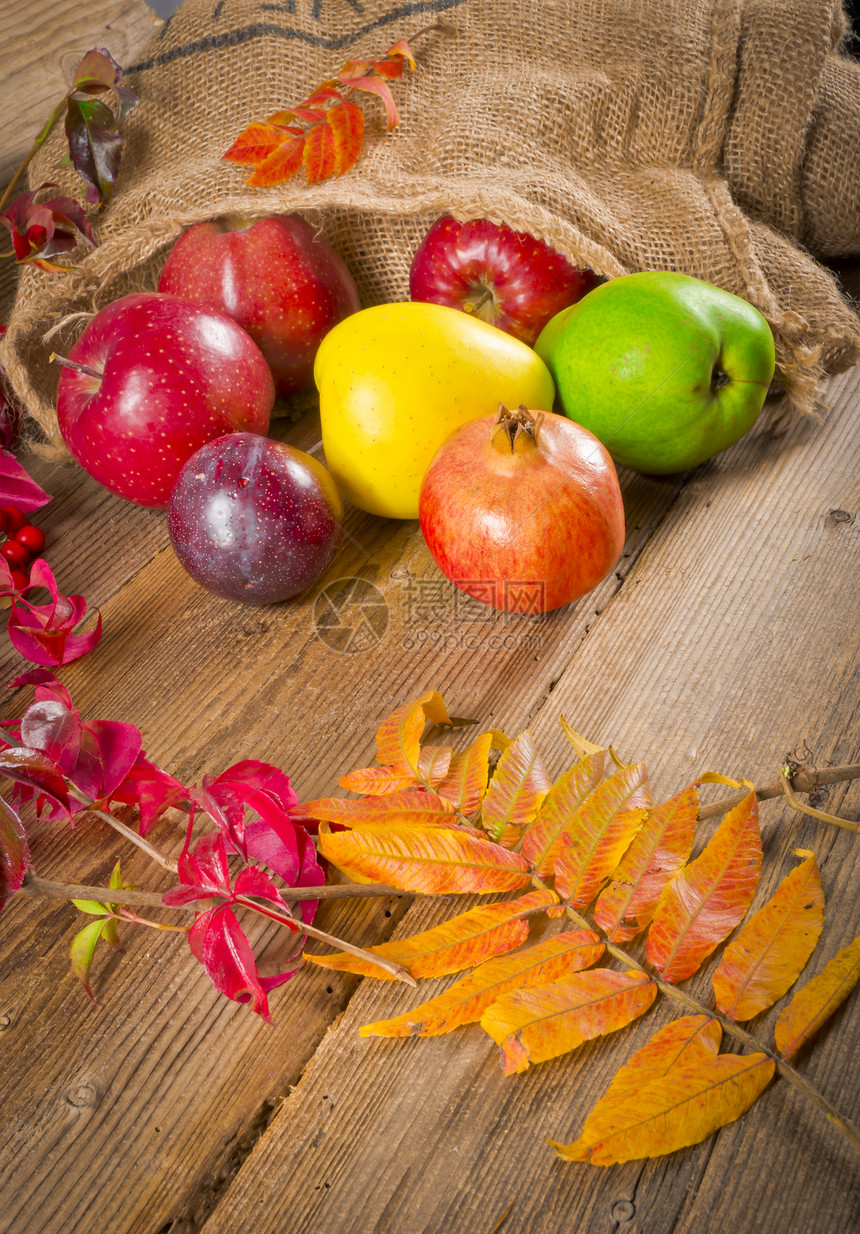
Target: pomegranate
<point x="523" y="511"/>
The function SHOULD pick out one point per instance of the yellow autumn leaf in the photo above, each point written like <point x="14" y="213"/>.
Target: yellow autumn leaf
<point x="462" y="942"/>
<point x="467" y="1000"/>
<point x="768" y="954"/>
<point x="542" y="840"/>
<point x="812" y="1006"/>
<point x="681" y="1108"/>
<point x="534" y="1025"/>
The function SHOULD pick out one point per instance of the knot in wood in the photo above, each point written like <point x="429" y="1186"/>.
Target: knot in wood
<point x="83" y="1095"/>
<point x="623" y="1211"/>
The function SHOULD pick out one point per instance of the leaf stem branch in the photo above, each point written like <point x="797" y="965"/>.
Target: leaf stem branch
<point x="803" y="779"/>
<point x="35" y="886"/>
<point x="135" y="838"/>
<point x="39" y="141"/>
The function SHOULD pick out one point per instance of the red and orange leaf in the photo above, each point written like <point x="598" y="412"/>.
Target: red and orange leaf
<point x="656" y="854"/>
<point x="517" y="789"/>
<point x="533" y="1025"/>
<point x="256" y="143"/>
<point x="346" y="121"/>
<point x="709" y="897"/>
<point x="542" y="842"/>
<point x="399" y="735"/>
<point x="682" y="1043"/>
<point x="376" y="85"/>
<point x="466" y="782"/>
<point x="599" y="833"/>
<point x="467" y="1000"/>
<point x="770" y="951"/>
<point x="682" y="1108"/>
<point x="402" y="50"/>
<point x="433" y="763"/>
<point x="319" y="157"/>
<point x="404" y="809"/>
<point x="377" y="781"/>
<point x="813" y="1006"/>
<point x="280" y="165"/>
<point x="460" y="943"/>
<point x="429" y="860"/>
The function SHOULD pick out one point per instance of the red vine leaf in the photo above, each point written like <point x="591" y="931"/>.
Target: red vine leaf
<point x="14" y="852"/>
<point x="42" y="231"/>
<point x="43" y="633"/>
<point x="16" y="487"/>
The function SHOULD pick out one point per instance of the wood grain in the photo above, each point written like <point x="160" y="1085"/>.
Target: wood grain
<point x="732" y="639"/>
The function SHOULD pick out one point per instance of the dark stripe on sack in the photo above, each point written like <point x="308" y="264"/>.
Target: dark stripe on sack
<point x="233" y="38"/>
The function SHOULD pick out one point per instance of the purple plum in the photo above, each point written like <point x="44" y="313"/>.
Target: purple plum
<point x="253" y="519"/>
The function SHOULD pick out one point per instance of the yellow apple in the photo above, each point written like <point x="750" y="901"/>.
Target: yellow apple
<point x="396" y="379"/>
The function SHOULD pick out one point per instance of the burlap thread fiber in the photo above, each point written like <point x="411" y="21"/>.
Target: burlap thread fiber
<point x="714" y="137"/>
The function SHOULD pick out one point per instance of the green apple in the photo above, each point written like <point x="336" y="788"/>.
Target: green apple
<point x="394" y="380"/>
<point x="664" y="369"/>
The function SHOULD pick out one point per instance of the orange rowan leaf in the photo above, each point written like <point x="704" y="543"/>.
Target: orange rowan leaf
<point x="682" y="1108"/>
<point x="533" y="1025"/>
<point x="433" y="763"/>
<point x="516" y="790"/>
<point x="432" y="861"/>
<point x="375" y="85"/>
<point x="399" y="735"/>
<point x="318" y="159"/>
<point x="346" y="121"/>
<point x="468" y="999"/>
<point x="403" y="809"/>
<point x="770" y="951"/>
<point x="599" y="833"/>
<point x="257" y="142"/>
<point x="465" y="784"/>
<point x="682" y="1043"/>
<point x="378" y="781"/>
<point x="542" y="840"/>
<point x="462" y="942"/>
<point x="281" y="164"/>
<point x="812" y="1006"/>
<point x="657" y="852"/>
<point x="709" y="897"/>
<point x="403" y="52"/>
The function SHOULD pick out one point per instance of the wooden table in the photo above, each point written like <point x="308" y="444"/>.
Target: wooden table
<point x="728" y="637"/>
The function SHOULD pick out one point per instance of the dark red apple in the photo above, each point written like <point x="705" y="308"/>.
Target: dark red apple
<point x="162" y="376"/>
<point x="254" y="520"/>
<point x="505" y="277"/>
<point x="276" y="276"/>
<point x="523" y="511"/>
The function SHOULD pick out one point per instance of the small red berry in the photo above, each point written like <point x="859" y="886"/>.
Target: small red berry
<point x="15" y="520"/>
<point x="31" y="537"/>
<point x="16" y="554"/>
<point x="19" y="579"/>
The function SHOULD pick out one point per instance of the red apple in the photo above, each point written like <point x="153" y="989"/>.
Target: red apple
<point x="253" y="519"/>
<point x="505" y="277"/>
<point x="523" y="511"/>
<point x="160" y="377"/>
<point x="276" y="276"/>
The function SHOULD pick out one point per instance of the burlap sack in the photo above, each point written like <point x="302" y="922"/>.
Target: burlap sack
<point x="714" y="137"/>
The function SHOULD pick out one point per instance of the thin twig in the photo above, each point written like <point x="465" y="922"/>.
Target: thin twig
<point x="36" y="886"/>
<point x="804" y="780"/>
<point x="796" y="804"/>
<point x="137" y="839"/>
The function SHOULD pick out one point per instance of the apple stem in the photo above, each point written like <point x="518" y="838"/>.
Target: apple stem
<point x="473" y="306"/>
<point x="73" y="364"/>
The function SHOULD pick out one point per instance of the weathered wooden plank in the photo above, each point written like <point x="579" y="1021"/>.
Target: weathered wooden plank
<point x="732" y="639"/>
<point x="210" y="682"/>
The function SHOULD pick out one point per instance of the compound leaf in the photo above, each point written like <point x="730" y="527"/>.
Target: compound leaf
<point x="516" y="791"/>
<point x="542" y="840"/>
